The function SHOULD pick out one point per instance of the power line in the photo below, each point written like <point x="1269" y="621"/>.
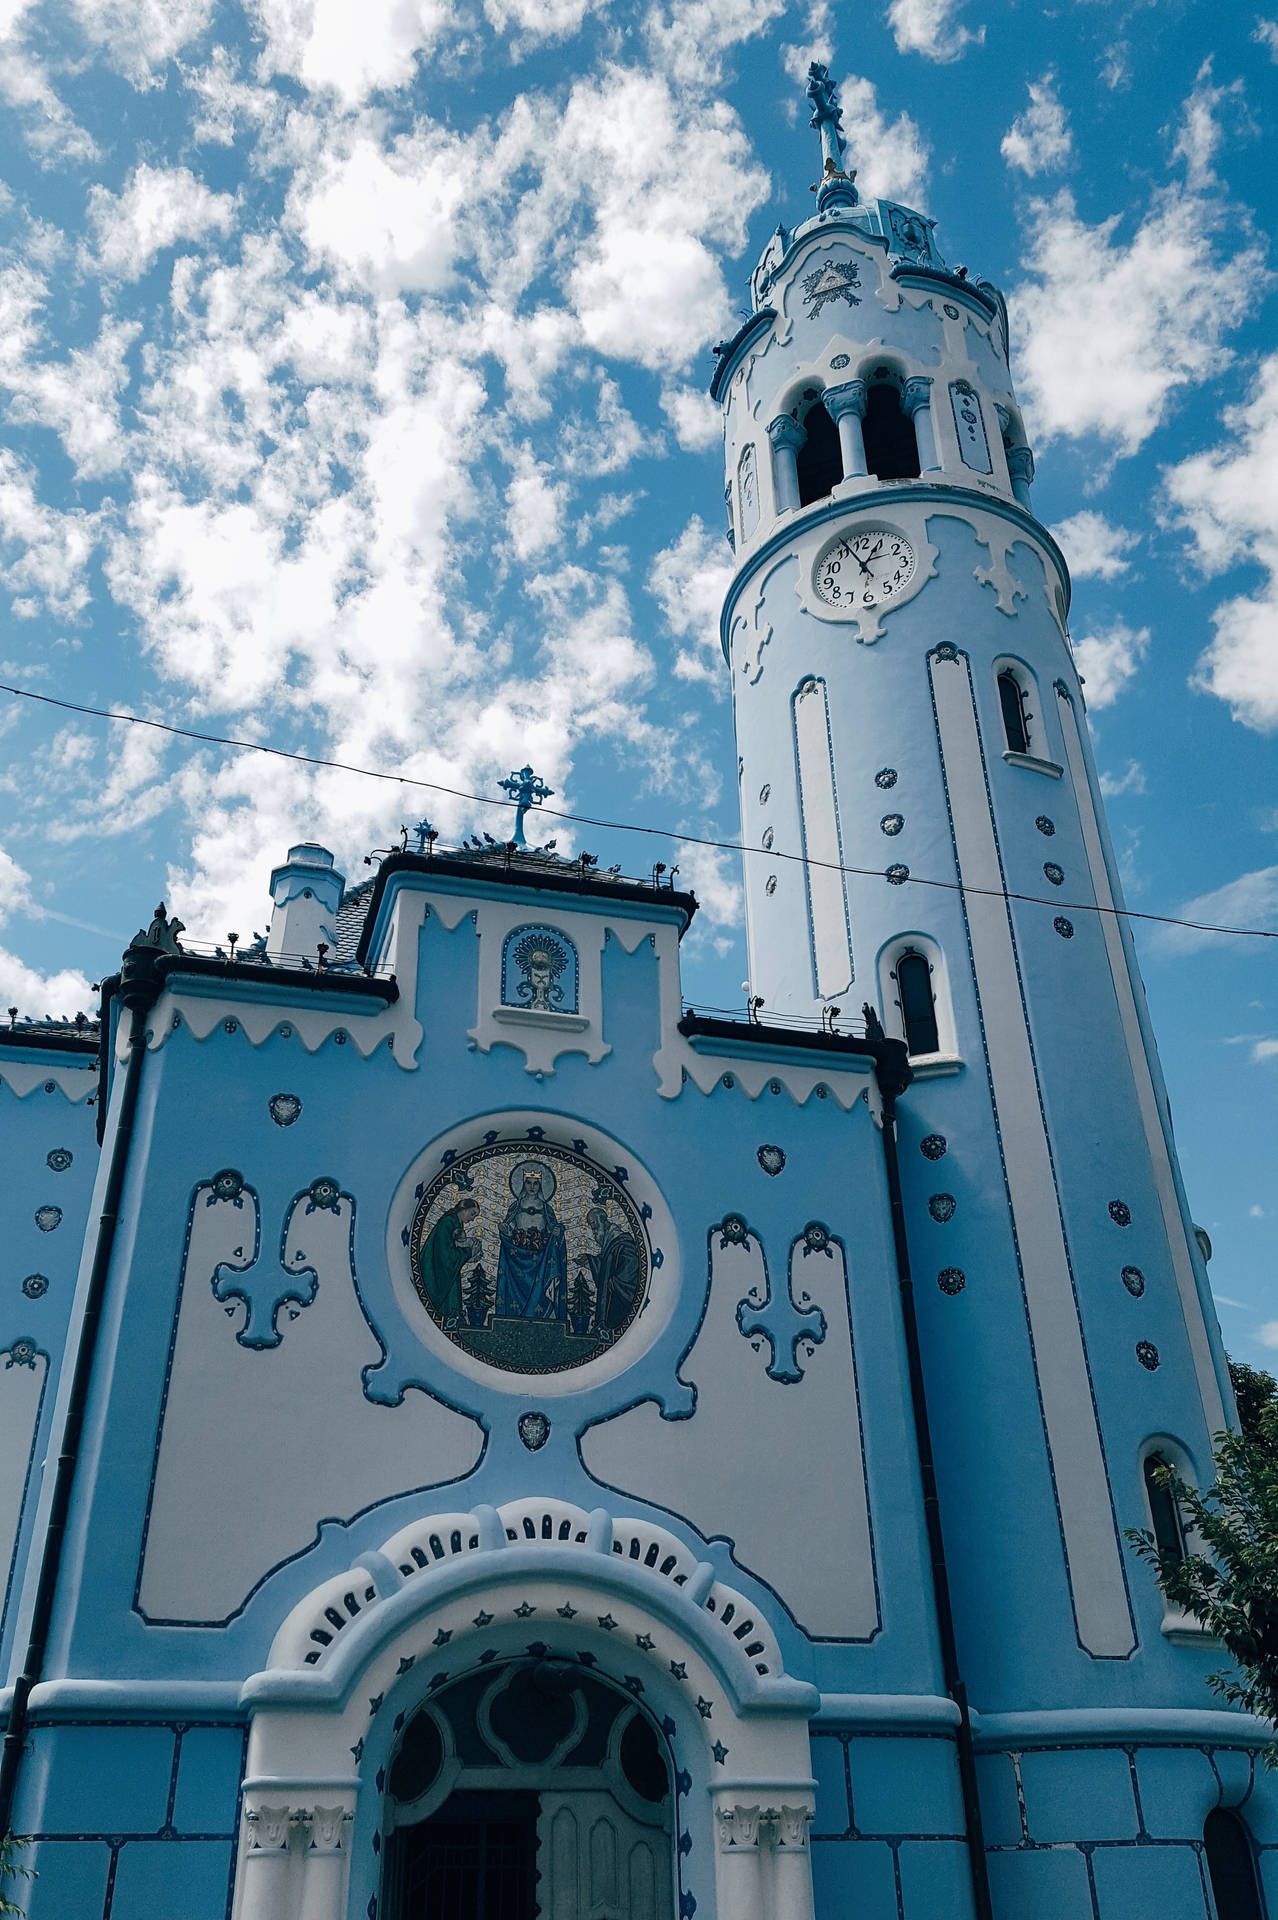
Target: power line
<point x="624" y="826"/>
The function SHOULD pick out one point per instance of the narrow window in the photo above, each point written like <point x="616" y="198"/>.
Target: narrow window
<point x="820" y="460"/>
<point x="1012" y="699"/>
<point x="891" y="450"/>
<point x="1230" y="1868"/>
<point x="1163" y="1511"/>
<point x="918" y="1008"/>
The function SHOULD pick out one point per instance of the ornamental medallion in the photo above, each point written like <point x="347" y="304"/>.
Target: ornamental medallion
<point x="531" y="1258"/>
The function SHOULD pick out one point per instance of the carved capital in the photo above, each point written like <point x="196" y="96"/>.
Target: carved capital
<point x="1020" y="463"/>
<point x="851" y="397"/>
<point x="790" y="1827"/>
<point x="328" y="1828"/>
<point x="268" y="1828"/>
<point x="916" y="392"/>
<point x="786" y="432"/>
<point x="739" y="1829"/>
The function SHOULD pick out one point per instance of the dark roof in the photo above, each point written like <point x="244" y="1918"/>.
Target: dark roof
<point x="520" y="867"/>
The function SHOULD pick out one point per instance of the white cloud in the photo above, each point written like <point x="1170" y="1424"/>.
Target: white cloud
<point x="713" y="874"/>
<point x="25" y="86"/>
<point x="1227" y="499"/>
<point x="1266" y="35"/>
<point x="1133" y="781"/>
<point x="687" y="40"/>
<point x="159" y="207"/>
<point x="139" y="37"/>
<point x="1108" y="660"/>
<point x="1200" y="133"/>
<point x="1264" y="1050"/>
<point x="43" y="551"/>
<point x="34" y="994"/>
<point x="696" y="418"/>
<point x="1145" y="317"/>
<point x="534" y="505"/>
<point x="351" y="50"/>
<point x="930" y="27"/>
<point x="1268" y="1334"/>
<point x="689" y="579"/>
<point x="890" y="156"/>
<point x="1249" y="901"/>
<point x="540" y="19"/>
<point x="385" y="215"/>
<point x="1039" y="139"/>
<point x="1093" y="546"/>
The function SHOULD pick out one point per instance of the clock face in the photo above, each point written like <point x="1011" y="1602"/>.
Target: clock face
<point x="870" y="568"/>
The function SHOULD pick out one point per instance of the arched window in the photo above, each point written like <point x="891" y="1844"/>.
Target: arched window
<point x="820" y="460"/>
<point x="1230" y="1868"/>
<point x="1012" y="699"/>
<point x="918" y="1007"/>
<point x="891" y="449"/>
<point x="1164" y="1514"/>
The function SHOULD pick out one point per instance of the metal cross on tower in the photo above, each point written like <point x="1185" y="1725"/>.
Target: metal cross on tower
<point x="526" y="789"/>
<point x="835" y="186"/>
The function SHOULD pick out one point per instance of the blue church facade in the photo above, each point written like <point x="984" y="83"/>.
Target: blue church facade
<point x="477" y="1433"/>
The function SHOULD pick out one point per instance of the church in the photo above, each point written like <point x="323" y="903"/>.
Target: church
<point x="481" y="1441"/>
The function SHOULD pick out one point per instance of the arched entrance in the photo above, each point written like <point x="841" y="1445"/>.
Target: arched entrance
<point x="533" y="1789"/>
<point x="503" y="1595"/>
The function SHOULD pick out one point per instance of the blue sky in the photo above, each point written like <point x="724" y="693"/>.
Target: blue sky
<point x="354" y="365"/>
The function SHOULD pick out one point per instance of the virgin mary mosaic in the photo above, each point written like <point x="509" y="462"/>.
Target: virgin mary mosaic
<point x="529" y="1257"/>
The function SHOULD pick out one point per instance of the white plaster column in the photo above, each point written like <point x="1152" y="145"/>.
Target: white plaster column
<point x="846" y="406"/>
<point x="739" y="1875"/>
<point x="787" y="436"/>
<point x="265" y="1879"/>
<point x="325" y="1865"/>
<point x="791" y="1864"/>
<point x="1020" y="467"/>
<point x="916" y="400"/>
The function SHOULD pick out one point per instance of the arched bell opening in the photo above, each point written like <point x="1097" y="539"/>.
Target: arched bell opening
<point x="819" y="461"/>
<point x="891" y="445"/>
<point x="537" y="1787"/>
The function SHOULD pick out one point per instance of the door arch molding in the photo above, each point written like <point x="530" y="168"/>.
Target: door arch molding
<point x="619" y="1595"/>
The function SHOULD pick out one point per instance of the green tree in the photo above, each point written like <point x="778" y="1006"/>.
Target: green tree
<point x="11" y="1868"/>
<point x="1227" y="1579"/>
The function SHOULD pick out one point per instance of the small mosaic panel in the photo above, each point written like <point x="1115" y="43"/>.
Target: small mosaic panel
<point x="951" y="1280"/>
<point x="1120" y="1213"/>
<point x="1054" y="873"/>
<point x="531" y="1258"/>
<point x="1064" y="927"/>
<point x="934" y="1146"/>
<point x="941" y="1207"/>
<point x="539" y="970"/>
<point x="59" y="1159"/>
<point x="891" y="823"/>
<point x="897" y="874"/>
<point x="1045" y="825"/>
<point x="885" y="777"/>
<point x="1134" y="1281"/>
<point x="1147" y="1354"/>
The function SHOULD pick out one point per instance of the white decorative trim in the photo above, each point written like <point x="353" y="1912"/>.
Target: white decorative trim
<point x="22" y="1077"/>
<point x="1032" y="764"/>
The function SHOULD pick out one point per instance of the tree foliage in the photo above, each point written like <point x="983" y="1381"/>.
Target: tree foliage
<point x="11" y="1868"/>
<point x="1227" y="1578"/>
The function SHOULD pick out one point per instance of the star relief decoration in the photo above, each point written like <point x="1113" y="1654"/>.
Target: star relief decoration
<point x="832" y="280"/>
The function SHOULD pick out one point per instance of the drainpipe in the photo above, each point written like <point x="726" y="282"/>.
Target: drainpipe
<point x="893" y="1078"/>
<point x="138" y="986"/>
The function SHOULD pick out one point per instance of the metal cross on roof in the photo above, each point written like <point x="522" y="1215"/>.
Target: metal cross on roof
<point x="526" y="789"/>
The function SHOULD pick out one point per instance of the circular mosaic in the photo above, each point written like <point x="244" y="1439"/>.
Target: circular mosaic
<point x="1045" y="825"/>
<point x="891" y="823"/>
<point x="1134" y="1281"/>
<point x="941" y="1206"/>
<point x="59" y="1159"/>
<point x="1054" y="873"/>
<point x="285" y="1108"/>
<point x="1147" y="1354"/>
<point x="770" y="884"/>
<point x="885" y="777"/>
<point x="951" y="1280"/>
<point x="1064" y="927"/>
<point x="47" y="1218"/>
<point x="897" y="874"/>
<point x="934" y="1146"/>
<point x="35" y="1285"/>
<point x="533" y="1259"/>
<point x="1120" y="1213"/>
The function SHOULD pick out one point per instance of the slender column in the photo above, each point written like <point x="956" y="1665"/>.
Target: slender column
<point x="325" y="1865"/>
<point x="846" y="407"/>
<point x="916" y="399"/>
<point x="791" y="1864"/>
<point x="266" y="1866"/>
<point x="787" y="436"/>
<point x="739" y="1878"/>
<point x="1020" y="467"/>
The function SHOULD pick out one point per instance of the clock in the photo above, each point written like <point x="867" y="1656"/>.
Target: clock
<point x="868" y="569"/>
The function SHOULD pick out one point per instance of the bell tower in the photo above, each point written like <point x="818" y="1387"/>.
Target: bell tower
<point x="924" y="834"/>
